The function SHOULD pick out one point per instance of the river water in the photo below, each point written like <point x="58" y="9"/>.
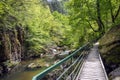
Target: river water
<point x="25" y="75"/>
<point x="21" y="74"/>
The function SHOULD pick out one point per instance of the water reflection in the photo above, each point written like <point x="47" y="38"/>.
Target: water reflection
<point x="20" y="73"/>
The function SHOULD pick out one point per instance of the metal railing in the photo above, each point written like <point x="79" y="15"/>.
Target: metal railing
<point x="106" y="76"/>
<point x="70" y="72"/>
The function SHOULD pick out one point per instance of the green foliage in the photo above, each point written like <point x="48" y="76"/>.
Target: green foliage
<point x="64" y="30"/>
<point x="89" y="18"/>
<point x="42" y="27"/>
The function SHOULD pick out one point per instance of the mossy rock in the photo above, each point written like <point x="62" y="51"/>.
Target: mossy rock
<point x="110" y="46"/>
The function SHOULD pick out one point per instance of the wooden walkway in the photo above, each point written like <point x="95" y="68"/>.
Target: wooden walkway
<point x="92" y="68"/>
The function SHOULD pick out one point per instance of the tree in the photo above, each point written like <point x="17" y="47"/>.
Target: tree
<point x="41" y="27"/>
<point x="92" y="15"/>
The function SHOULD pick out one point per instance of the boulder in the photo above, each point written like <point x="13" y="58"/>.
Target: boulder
<point x="47" y="65"/>
<point x="115" y="74"/>
<point x="33" y="66"/>
<point x="62" y="55"/>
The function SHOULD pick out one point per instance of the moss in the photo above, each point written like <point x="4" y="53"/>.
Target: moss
<point x="9" y="64"/>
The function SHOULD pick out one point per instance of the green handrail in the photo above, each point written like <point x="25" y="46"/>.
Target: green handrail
<point x="46" y="71"/>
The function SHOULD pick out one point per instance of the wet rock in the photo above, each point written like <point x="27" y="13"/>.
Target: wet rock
<point x="115" y="74"/>
<point x="1" y="69"/>
<point x="47" y="65"/>
<point x="33" y="66"/>
<point x="62" y="55"/>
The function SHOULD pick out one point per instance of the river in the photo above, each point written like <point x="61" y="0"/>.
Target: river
<point x="21" y="74"/>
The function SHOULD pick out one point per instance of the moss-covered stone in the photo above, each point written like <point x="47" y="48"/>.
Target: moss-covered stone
<point x="110" y="47"/>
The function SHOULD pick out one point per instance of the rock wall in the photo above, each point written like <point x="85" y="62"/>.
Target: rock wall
<point x="110" y="48"/>
<point x="11" y="46"/>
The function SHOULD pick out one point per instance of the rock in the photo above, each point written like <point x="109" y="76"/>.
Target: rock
<point x="56" y="61"/>
<point x="11" y="47"/>
<point x="33" y="66"/>
<point x="52" y="75"/>
<point x="47" y="65"/>
<point x="1" y="69"/>
<point x="110" y="48"/>
<point x="65" y="53"/>
<point x="62" y="55"/>
<point x="115" y="74"/>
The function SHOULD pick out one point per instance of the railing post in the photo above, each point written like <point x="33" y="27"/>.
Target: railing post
<point x="71" y="60"/>
<point x="71" y="69"/>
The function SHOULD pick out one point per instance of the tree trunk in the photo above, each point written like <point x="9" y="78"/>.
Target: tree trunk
<point x="99" y="20"/>
<point x="111" y="11"/>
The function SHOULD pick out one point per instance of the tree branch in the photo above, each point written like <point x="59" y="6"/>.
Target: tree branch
<point x="92" y="27"/>
<point x="117" y="13"/>
<point x="111" y="11"/>
<point x="99" y="20"/>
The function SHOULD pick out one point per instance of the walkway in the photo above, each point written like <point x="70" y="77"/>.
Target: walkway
<point x="92" y="68"/>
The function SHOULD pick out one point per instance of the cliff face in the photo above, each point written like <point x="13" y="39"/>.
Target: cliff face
<point x="11" y="45"/>
<point x="110" y="48"/>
